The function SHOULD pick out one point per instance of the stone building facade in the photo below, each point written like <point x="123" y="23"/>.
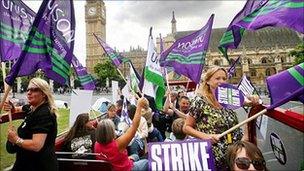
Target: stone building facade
<point x="263" y="52"/>
<point x="95" y="19"/>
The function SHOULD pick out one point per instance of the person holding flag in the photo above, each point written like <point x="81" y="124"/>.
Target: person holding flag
<point x="34" y="140"/>
<point x="207" y="119"/>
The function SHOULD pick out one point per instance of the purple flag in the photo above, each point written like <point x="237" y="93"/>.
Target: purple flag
<point x="50" y="43"/>
<point x="286" y="85"/>
<point x="86" y="80"/>
<point x="259" y="14"/>
<point x="115" y="57"/>
<point x="16" y="19"/>
<point x="187" y="54"/>
<point x="124" y="113"/>
<point x="231" y="70"/>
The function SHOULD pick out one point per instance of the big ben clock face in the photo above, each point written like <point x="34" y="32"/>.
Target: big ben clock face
<point x="92" y="11"/>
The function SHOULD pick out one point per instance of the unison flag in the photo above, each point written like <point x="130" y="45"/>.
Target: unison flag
<point x="154" y="84"/>
<point x="16" y="19"/>
<point x="259" y="14"/>
<point x="187" y="54"/>
<point x="86" y="80"/>
<point x="115" y="57"/>
<point x="231" y="70"/>
<point x="286" y="85"/>
<point x="50" y="43"/>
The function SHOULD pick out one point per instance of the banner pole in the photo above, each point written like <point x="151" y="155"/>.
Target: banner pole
<point x="242" y="123"/>
<point x="168" y="87"/>
<point x="129" y="84"/>
<point x="7" y="90"/>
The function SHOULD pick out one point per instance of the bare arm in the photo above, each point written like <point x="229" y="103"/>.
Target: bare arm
<point x="34" y="144"/>
<point x="179" y="113"/>
<point x="188" y="129"/>
<point x="167" y="109"/>
<point x="125" y="139"/>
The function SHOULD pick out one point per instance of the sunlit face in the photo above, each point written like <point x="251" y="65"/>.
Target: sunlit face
<point x="217" y="78"/>
<point x="184" y="105"/>
<point x="34" y="95"/>
<point x="112" y="112"/>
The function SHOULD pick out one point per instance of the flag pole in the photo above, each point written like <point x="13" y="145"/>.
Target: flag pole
<point x="7" y="90"/>
<point x="243" y="122"/>
<point x="127" y="83"/>
<point x="188" y="82"/>
<point x="167" y="82"/>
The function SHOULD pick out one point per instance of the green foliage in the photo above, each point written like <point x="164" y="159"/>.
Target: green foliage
<point x="298" y="54"/>
<point x="106" y="70"/>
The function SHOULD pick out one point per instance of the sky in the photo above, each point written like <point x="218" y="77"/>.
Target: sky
<point x="128" y="22"/>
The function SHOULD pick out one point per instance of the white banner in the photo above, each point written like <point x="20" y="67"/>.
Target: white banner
<point x="80" y="103"/>
<point x="115" y="89"/>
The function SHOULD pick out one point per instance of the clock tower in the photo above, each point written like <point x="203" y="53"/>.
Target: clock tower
<point x="95" y="19"/>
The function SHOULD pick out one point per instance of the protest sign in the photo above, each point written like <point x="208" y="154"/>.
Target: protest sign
<point x="181" y="155"/>
<point x="229" y="96"/>
<point x="80" y="103"/>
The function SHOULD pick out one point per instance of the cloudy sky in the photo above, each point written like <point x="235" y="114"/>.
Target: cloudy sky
<point x="128" y="22"/>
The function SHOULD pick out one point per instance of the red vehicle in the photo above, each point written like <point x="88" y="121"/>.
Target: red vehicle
<point x="283" y="151"/>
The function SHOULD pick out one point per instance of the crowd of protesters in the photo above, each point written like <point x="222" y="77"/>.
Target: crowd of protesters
<point x="124" y="145"/>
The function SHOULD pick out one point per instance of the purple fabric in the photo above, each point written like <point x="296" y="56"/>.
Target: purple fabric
<point x="187" y="54"/>
<point x="14" y="15"/>
<point x="189" y="154"/>
<point x="50" y="44"/>
<point x="229" y="97"/>
<point x="115" y="57"/>
<point x="284" y="87"/>
<point x="86" y="80"/>
<point x="259" y="14"/>
<point x="231" y="70"/>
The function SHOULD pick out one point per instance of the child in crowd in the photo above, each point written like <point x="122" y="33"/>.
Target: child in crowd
<point x="153" y="133"/>
<point x="111" y="114"/>
<point x="114" y="150"/>
<point x="177" y="133"/>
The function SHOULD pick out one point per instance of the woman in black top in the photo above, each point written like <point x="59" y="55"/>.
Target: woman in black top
<point x="34" y="140"/>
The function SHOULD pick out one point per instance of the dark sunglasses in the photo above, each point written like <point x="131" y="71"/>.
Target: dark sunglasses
<point x="244" y="163"/>
<point x="36" y="89"/>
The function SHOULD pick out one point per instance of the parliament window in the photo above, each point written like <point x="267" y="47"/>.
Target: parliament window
<point x="253" y="73"/>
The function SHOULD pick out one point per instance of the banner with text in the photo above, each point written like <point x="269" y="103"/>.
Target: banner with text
<point x="229" y="96"/>
<point x="181" y="155"/>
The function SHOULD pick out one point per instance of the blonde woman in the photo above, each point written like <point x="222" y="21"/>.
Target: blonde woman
<point x="207" y="118"/>
<point x="34" y="140"/>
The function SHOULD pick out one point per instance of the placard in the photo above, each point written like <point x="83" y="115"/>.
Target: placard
<point x="229" y="96"/>
<point x="181" y="155"/>
<point x="80" y="103"/>
<point x="115" y="88"/>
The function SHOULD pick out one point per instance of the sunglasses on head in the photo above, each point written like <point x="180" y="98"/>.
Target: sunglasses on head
<point x="244" y="163"/>
<point x="35" y="89"/>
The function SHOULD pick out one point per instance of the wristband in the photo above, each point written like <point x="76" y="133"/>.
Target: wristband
<point x="19" y="142"/>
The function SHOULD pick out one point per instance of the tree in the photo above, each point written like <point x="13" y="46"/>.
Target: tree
<point x="298" y="54"/>
<point x="106" y="70"/>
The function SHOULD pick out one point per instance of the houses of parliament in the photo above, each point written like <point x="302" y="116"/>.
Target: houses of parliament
<point x="263" y="52"/>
